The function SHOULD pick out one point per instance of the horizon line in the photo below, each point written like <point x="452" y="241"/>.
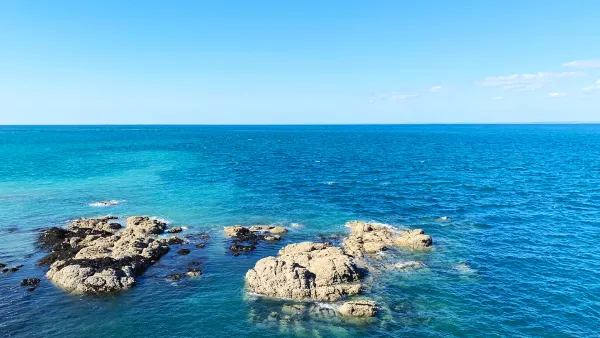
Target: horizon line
<point x="303" y="124"/>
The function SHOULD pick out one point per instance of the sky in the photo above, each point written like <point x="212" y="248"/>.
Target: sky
<point x="299" y="62"/>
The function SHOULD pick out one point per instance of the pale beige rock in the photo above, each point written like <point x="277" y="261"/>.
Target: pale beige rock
<point x="370" y="238"/>
<point x="235" y="231"/>
<point x="306" y="270"/>
<point x="409" y="265"/>
<point x="361" y="308"/>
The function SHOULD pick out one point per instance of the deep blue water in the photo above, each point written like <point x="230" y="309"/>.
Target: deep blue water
<point x="524" y="202"/>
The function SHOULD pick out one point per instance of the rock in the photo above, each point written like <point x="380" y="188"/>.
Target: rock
<point x="242" y="248"/>
<point x="30" y="282"/>
<point x="32" y="288"/>
<point x="200" y="245"/>
<point x="193" y="272"/>
<point x="271" y="238"/>
<point x="204" y="236"/>
<point x="294" y="309"/>
<point x="175" y="230"/>
<point x="195" y="263"/>
<point x="183" y="251"/>
<point x="296" y="225"/>
<point x="173" y="241"/>
<point x="409" y="265"/>
<point x="236" y="231"/>
<point x="236" y="254"/>
<point x="444" y="219"/>
<point x="13" y="269"/>
<point x="306" y="271"/>
<point x="12" y="229"/>
<point x="370" y="238"/>
<point x="414" y="239"/>
<point x="2" y="265"/>
<point x="363" y="308"/>
<point x="268" y="229"/>
<point x="175" y="276"/>
<point x="91" y="259"/>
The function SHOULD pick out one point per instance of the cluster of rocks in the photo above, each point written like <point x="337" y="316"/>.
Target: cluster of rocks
<point x="32" y="283"/>
<point x="13" y="269"/>
<point x="245" y="239"/>
<point x="193" y="270"/>
<point x="94" y="256"/>
<point x="323" y="272"/>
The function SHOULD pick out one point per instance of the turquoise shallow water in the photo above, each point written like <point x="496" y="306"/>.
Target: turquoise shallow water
<point x="524" y="203"/>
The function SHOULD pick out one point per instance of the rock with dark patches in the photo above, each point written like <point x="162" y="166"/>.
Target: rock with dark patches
<point x="13" y="229"/>
<point x="2" y="265"/>
<point x="364" y="308"/>
<point x="183" y="252"/>
<point x="175" y="276"/>
<point x="195" y="263"/>
<point x="94" y="257"/>
<point x="204" y="236"/>
<point x="31" y="288"/>
<point x="193" y="272"/>
<point x="242" y="248"/>
<point x="200" y="245"/>
<point x="173" y="241"/>
<point x="175" y="230"/>
<point x="236" y="254"/>
<point x="13" y="269"/>
<point x="30" y="282"/>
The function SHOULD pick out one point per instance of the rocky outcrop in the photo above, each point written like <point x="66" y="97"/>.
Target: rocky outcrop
<point x="252" y="236"/>
<point x="92" y="256"/>
<point x="306" y="271"/>
<point x="370" y="238"/>
<point x="361" y="308"/>
<point x="175" y="230"/>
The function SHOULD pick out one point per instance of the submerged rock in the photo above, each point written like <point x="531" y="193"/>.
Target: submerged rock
<point x="306" y="270"/>
<point x="183" y="251"/>
<point x="193" y="272"/>
<point x="30" y="282"/>
<point x="363" y="308"/>
<point x="175" y="276"/>
<point x="2" y="265"/>
<point x="175" y="230"/>
<point x="242" y="248"/>
<point x="268" y="229"/>
<point x="252" y="235"/>
<point x="370" y="238"/>
<point x="91" y="257"/>
<point x="200" y="245"/>
<point x="13" y="269"/>
<point x="293" y="309"/>
<point x="409" y="265"/>
<point x="104" y="203"/>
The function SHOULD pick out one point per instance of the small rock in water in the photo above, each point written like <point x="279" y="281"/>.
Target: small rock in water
<point x="2" y="265"/>
<point x="13" y="229"/>
<point x="409" y="265"/>
<point x="204" y="236"/>
<point x="363" y="308"/>
<point x="183" y="251"/>
<point x="200" y="245"/>
<point x="175" y="230"/>
<point x="464" y="268"/>
<point x="296" y="225"/>
<point x="195" y="263"/>
<point x="175" y="276"/>
<point x="236" y="254"/>
<point x="13" y="269"/>
<point x="293" y="309"/>
<point x="242" y="248"/>
<point x="104" y="203"/>
<point x="190" y="272"/>
<point x="444" y="219"/>
<point x="31" y="288"/>
<point x="174" y="240"/>
<point x="271" y="238"/>
<point x="30" y="282"/>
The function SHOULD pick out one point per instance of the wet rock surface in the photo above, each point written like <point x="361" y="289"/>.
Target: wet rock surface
<point x="13" y="269"/>
<point x="175" y="230"/>
<point x="183" y="252"/>
<point x="306" y="271"/>
<point x="362" y="308"/>
<point x="92" y="256"/>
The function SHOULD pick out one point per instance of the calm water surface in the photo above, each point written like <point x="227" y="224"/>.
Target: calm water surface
<point x="520" y="256"/>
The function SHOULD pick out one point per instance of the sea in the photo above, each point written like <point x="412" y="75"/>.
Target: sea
<point x="513" y="210"/>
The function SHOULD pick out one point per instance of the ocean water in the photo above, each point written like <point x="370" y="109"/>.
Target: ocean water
<point x="519" y="256"/>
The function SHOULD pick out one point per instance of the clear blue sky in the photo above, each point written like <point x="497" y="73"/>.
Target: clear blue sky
<point x="261" y="62"/>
